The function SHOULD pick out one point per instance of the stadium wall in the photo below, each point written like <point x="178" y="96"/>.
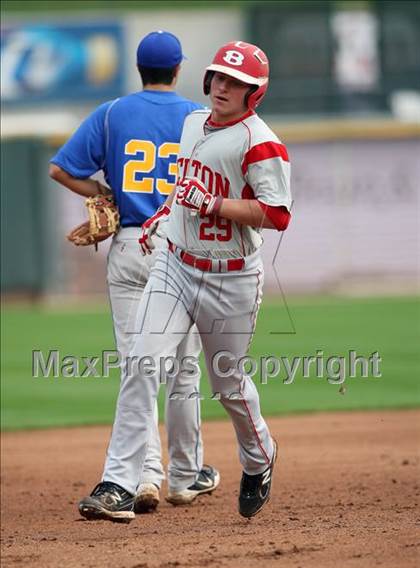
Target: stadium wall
<point x="355" y="226"/>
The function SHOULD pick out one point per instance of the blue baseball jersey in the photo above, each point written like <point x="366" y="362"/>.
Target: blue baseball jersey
<point x="134" y="140"/>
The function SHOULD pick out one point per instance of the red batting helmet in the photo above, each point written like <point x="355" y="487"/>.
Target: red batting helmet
<point x="245" y="62"/>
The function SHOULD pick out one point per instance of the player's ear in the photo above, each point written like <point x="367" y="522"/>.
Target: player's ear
<point x="139" y="70"/>
<point x="176" y="72"/>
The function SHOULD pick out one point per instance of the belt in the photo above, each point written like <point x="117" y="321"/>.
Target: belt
<point x="207" y="264"/>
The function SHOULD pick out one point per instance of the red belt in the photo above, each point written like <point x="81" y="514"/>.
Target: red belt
<point x="207" y="264"/>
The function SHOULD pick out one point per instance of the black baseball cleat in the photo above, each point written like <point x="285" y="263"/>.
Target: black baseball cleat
<point x="207" y="481"/>
<point x="254" y="492"/>
<point x="108" y="501"/>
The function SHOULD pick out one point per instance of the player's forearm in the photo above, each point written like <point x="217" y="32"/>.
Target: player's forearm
<point x="245" y="212"/>
<point x="85" y="187"/>
<point x="170" y="198"/>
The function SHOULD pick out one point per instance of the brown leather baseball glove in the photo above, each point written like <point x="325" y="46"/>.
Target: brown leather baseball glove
<point x="103" y="222"/>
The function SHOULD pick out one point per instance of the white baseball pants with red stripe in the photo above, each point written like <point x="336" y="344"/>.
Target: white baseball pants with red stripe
<point x="224" y="308"/>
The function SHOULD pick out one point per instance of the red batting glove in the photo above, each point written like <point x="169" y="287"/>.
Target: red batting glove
<point x="149" y="228"/>
<point x="193" y="194"/>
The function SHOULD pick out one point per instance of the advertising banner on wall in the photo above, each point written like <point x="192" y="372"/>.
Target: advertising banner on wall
<point x="69" y="63"/>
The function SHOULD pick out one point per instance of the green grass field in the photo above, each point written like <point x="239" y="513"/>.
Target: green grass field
<point x="334" y="326"/>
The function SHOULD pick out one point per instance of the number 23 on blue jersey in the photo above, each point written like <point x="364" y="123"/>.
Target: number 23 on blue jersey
<point x="146" y="153"/>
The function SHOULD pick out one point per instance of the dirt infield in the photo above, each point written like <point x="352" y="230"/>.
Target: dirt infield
<point x="345" y="494"/>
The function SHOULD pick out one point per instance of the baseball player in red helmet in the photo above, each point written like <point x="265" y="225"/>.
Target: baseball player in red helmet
<point x="233" y="180"/>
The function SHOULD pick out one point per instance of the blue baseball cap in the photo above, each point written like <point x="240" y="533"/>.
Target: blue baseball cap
<point x="159" y="49"/>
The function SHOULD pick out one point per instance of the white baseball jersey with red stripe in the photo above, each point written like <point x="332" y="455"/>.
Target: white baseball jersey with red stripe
<point x="240" y="160"/>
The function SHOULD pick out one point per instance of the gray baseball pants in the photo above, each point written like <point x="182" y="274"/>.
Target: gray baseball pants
<point x="224" y="307"/>
<point x="128" y="272"/>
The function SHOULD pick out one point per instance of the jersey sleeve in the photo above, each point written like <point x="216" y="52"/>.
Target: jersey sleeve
<point x="266" y="169"/>
<point x="84" y="153"/>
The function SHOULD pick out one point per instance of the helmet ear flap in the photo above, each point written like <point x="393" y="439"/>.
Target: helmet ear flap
<point x="207" y="81"/>
<point x="249" y="93"/>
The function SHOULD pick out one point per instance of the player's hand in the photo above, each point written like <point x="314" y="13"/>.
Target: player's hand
<point x="193" y="194"/>
<point x="149" y="228"/>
